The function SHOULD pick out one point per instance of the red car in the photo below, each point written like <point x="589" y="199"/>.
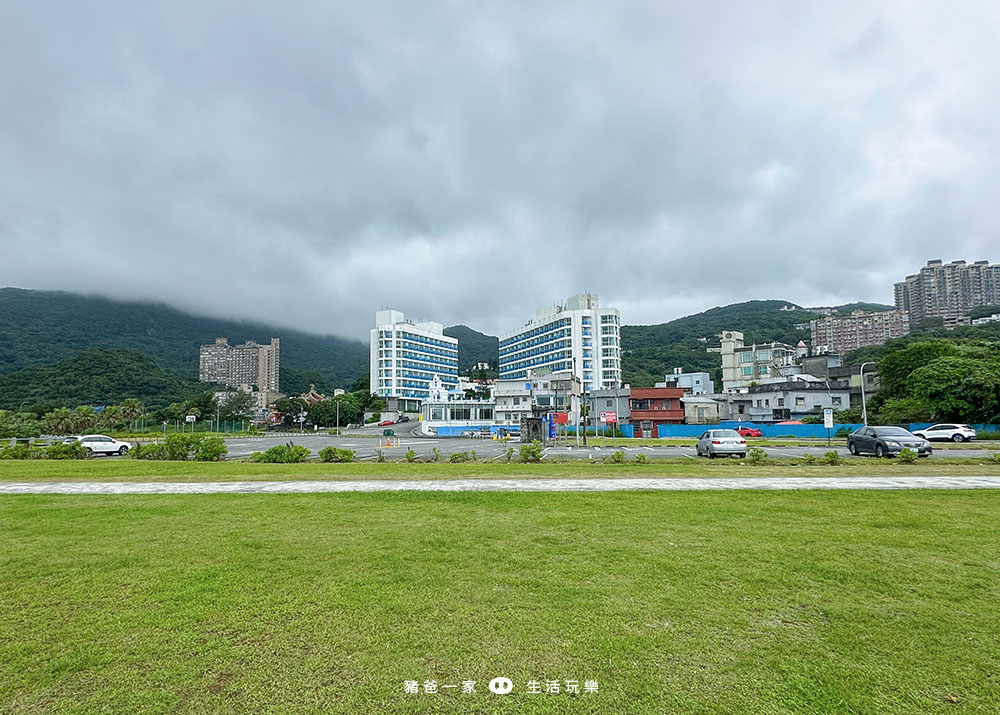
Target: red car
<point x="749" y="432"/>
<point x="386" y="423"/>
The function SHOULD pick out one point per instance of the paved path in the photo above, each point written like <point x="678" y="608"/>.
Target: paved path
<point x="500" y="485"/>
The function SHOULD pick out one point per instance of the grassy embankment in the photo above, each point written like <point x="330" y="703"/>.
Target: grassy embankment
<point x="764" y="602"/>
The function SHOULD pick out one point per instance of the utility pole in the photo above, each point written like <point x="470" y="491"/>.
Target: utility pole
<point x="864" y="406"/>
<point x="338" y="417"/>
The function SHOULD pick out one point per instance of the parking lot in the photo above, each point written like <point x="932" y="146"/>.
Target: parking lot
<point x="367" y="443"/>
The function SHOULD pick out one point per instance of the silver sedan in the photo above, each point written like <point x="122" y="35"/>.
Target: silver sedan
<point x="721" y="442"/>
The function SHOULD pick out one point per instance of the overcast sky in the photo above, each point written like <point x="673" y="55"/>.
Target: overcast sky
<point x="308" y="163"/>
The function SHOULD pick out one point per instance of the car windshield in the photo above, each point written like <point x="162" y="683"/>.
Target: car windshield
<point x="892" y="432"/>
<point x="726" y="433"/>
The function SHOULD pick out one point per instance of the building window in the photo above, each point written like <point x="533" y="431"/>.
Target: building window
<point x="836" y="401"/>
<point x="748" y="371"/>
<point x="781" y="402"/>
<point x="800" y="402"/>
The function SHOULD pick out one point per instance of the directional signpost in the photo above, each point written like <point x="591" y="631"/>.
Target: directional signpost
<point x="828" y="423"/>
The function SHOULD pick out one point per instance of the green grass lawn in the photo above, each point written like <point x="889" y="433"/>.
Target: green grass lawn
<point x="758" y="602"/>
<point x="104" y="469"/>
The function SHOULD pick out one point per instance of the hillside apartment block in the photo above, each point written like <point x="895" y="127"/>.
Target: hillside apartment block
<point x="250" y="364"/>
<point x="948" y="290"/>
<point x="580" y="337"/>
<point x="405" y="357"/>
<point x="841" y="334"/>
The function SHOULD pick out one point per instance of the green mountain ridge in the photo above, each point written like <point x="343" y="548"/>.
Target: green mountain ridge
<point x="96" y="376"/>
<point x="474" y="347"/>
<point x="41" y="327"/>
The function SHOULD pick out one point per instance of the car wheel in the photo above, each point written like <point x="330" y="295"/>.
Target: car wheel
<point x="852" y="448"/>
<point x="122" y="451"/>
<point x="90" y="452"/>
<point x="743" y="455"/>
<point x="879" y="451"/>
<point x="711" y="454"/>
<point x="957" y="438"/>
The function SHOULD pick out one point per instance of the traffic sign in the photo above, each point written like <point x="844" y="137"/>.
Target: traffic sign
<point x="609" y="417"/>
<point x="828" y="418"/>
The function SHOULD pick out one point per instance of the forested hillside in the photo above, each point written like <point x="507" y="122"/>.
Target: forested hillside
<point x="652" y="351"/>
<point x="41" y="327"/>
<point x="95" y="376"/>
<point x="474" y="347"/>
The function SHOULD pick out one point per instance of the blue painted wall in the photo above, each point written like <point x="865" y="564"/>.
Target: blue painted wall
<point x="780" y="430"/>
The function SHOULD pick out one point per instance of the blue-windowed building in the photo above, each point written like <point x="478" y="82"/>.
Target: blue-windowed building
<point x="405" y="357"/>
<point x="579" y="337"/>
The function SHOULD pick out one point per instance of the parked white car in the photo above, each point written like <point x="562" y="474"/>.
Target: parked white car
<point x="100" y="444"/>
<point x="951" y="431"/>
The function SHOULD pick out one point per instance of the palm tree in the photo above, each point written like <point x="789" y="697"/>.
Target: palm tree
<point x="58" y="421"/>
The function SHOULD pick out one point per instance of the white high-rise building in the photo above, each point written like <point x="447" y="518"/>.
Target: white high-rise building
<point x="580" y="336"/>
<point x="405" y="357"/>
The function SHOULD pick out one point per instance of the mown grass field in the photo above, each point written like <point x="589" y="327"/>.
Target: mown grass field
<point x="117" y="469"/>
<point x="758" y="602"/>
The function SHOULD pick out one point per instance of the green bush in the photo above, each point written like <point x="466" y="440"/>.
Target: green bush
<point x="531" y="452"/>
<point x="72" y="450"/>
<point x="640" y="459"/>
<point x="435" y="454"/>
<point x="756" y="455"/>
<point x="22" y="451"/>
<point x="996" y="457"/>
<point x="157" y="451"/>
<point x="832" y="457"/>
<point x="509" y="454"/>
<point x="282" y="454"/>
<point x="987" y="434"/>
<point x="809" y="459"/>
<point x="410" y="455"/>
<point x="842" y="432"/>
<point x="180" y="446"/>
<point x="333" y="454"/>
<point x="459" y="457"/>
<point x="212" y="449"/>
<point x="618" y="457"/>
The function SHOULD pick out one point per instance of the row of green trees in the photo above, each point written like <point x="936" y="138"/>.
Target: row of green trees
<point x="351" y="408"/>
<point x="936" y="380"/>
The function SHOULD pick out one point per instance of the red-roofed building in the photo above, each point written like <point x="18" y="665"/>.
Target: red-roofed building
<point x="653" y="406"/>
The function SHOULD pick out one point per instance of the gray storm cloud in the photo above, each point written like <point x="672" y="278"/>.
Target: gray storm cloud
<point x="309" y="163"/>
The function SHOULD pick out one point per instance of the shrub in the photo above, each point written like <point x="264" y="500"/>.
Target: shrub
<point x="212" y="449"/>
<point x="996" y="457"/>
<point x="531" y="452"/>
<point x="180" y="446"/>
<point x="73" y="450"/>
<point x="842" y="432"/>
<point x="435" y="454"/>
<point x="756" y="455"/>
<point x="410" y="456"/>
<point x="459" y="457"/>
<point x="618" y="457"/>
<point x="334" y="454"/>
<point x="379" y="455"/>
<point x="509" y="454"/>
<point x="22" y="451"/>
<point x="157" y="450"/>
<point x="640" y="459"/>
<point x="988" y="434"/>
<point x="282" y="454"/>
<point x="809" y="459"/>
<point x="832" y="457"/>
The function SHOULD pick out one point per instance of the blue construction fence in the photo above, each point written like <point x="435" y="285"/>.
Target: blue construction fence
<point x="495" y="430"/>
<point x="769" y="430"/>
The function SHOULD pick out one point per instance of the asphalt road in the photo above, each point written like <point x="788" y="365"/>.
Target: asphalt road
<point x="365" y="447"/>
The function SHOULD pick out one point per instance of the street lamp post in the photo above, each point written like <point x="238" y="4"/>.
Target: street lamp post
<point x="864" y="406"/>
